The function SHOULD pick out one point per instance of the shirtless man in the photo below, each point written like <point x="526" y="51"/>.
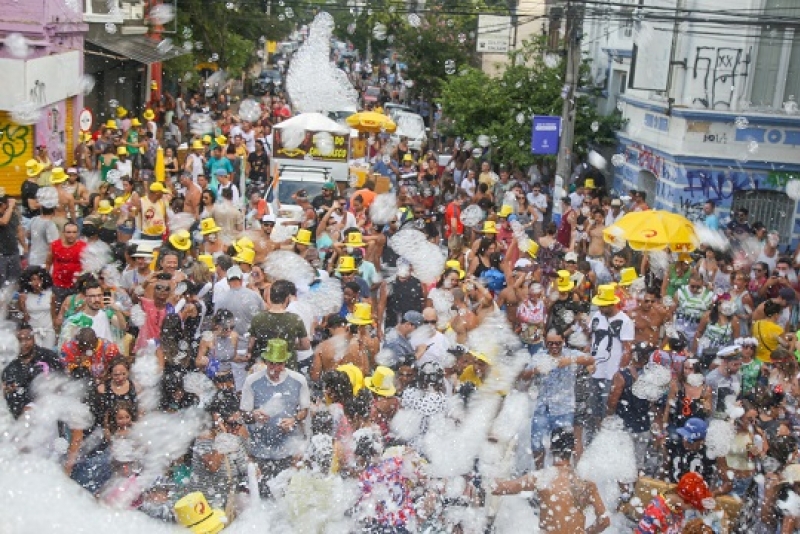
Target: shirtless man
<point x="465" y="319"/>
<point x="597" y="246"/>
<point x="562" y="494"/>
<point x="648" y="318"/>
<point x="191" y="203"/>
<point x="347" y="344"/>
<point x="65" y="210"/>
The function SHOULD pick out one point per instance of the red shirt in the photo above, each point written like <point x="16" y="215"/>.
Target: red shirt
<point x="453" y="211"/>
<point x="66" y="262"/>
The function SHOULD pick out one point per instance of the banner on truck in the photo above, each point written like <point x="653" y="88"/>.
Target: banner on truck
<point x="308" y="150"/>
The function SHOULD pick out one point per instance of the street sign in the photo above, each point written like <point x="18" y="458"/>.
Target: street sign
<point x="494" y="34"/>
<point x="85" y="120"/>
<point x="546" y="134"/>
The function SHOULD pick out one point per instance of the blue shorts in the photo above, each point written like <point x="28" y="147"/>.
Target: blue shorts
<point x="543" y="425"/>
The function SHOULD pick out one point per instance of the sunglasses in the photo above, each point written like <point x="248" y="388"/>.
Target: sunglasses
<point x="161" y="288"/>
<point x="554" y="343"/>
<point x="431" y="322"/>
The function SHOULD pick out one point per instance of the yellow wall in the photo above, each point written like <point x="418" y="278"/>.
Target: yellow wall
<point x="16" y="147"/>
<point x="69" y="129"/>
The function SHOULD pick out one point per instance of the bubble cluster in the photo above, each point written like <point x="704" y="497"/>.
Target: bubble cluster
<point x="793" y="189"/>
<point x="17" y="45"/>
<point x="111" y="28"/>
<point x="741" y="123"/>
<point x="26" y="113"/>
<point x="472" y="216"/>
<point x="351" y="28"/>
<point x="379" y="31"/>
<point x="200" y="124"/>
<point x="425" y="258"/>
<point x="520" y="118"/>
<point x="595" y="126"/>
<point x="324" y="143"/>
<point x="551" y="61"/>
<point x="249" y="110"/>
<point x="162" y="13"/>
<point x="85" y="84"/>
<point x="618" y="160"/>
<point x="484" y="141"/>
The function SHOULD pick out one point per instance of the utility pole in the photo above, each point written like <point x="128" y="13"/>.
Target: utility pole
<point x="573" y="30"/>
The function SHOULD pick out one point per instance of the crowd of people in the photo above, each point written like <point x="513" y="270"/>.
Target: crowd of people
<point x="351" y="373"/>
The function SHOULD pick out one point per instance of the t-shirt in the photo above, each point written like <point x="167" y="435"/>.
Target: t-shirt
<point x="43" y="232"/>
<point x="608" y="333"/>
<point x="244" y="303"/>
<point x="682" y="461"/>
<point x="66" y="262"/>
<point x="154" y="317"/>
<point x="453" y="211"/>
<point x="268" y="325"/>
<point x="259" y="166"/>
<point x="28" y="192"/>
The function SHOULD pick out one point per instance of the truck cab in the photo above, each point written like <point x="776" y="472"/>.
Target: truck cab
<point x="293" y="178"/>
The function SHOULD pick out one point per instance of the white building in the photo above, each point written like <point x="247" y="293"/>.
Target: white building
<point x="721" y="123"/>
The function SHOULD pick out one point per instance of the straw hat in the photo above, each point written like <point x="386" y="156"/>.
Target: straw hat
<point x="453" y="264"/>
<point x="209" y="226"/>
<point x="381" y="382"/>
<point x="111" y="123"/>
<point x="355" y="240"/>
<point x="354" y="374"/>
<point x="33" y="167"/>
<point x="347" y="264"/>
<point x="277" y="351"/>
<point x="122" y="151"/>
<point x="58" y="176"/>
<point x="564" y="282"/>
<point x="246" y="255"/>
<point x="208" y="260"/>
<point x="605" y="296"/>
<point x="197" y="145"/>
<point x="148" y="115"/>
<point x="489" y="227"/>
<point x="194" y="513"/>
<point x="181" y="240"/>
<point x="362" y="314"/>
<point x="104" y="208"/>
<point x="303" y="237"/>
<point x="627" y="276"/>
<point x="505" y="211"/>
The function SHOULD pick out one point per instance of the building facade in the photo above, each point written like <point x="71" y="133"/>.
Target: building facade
<point x="709" y="101"/>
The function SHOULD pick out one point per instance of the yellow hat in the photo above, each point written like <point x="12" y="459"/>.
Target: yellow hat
<point x="481" y="356"/>
<point x="158" y="187"/>
<point x="207" y="139"/>
<point x="589" y="183"/>
<point x="208" y="260"/>
<point x="347" y="264"/>
<point x="564" y="282"/>
<point x="153" y="85"/>
<point x="197" y="145"/>
<point x="453" y="264"/>
<point x="627" y="276"/>
<point x="381" y="382"/>
<point x="605" y="296"/>
<point x="111" y="123"/>
<point x="408" y="157"/>
<point x="505" y="211"/>
<point x="362" y="314"/>
<point x="33" y="167"/>
<point x="181" y="240"/>
<point x="355" y="240"/>
<point x="246" y="255"/>
<point x="685" y="257"/>
<point x="303" y="237"/>
<point x="119" y="201"/>
<point x="277" y="351"/>
<point x="136" y="122"/>
<point x="489" y="227"/>
<point x="58" y="176"/>
<point x="533" y="248"/>
<point x="84" y="137"/>
<point x="194" y="513"/>
<point x="354" y="374"/>
<point x="121" y="112"/>
<point x="104" y="207"/>
<point x="244" y="242"/>
<point x="209" y="226"/>
<point x="148" y="115"/>
<point x="221" y="140"/>
<point x="122" y="151"/>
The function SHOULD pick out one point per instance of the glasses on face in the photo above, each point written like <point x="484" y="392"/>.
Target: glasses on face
<point x="554" y="343"/>
<point x="161" y="288"/>
<point x="433" y="321"/>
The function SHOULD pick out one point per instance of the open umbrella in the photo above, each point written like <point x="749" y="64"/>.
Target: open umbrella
<point x="160" y="170"/>
<point x="652" y="230"/>
<point x="372" y="122"/>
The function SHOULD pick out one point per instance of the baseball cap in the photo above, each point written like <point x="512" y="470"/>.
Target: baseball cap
<point x="413" y="317"/>
<point x="72" y="170"/>
<point x="220" y="172"/>
<point x="329" y="185"/>
<point x="693" y="430"/>
<point x="787" y="294"/>
<point x="523" y="263"/>
<point x="570" y="257"/>
<point x="234" y="272"/>
<point x="268" y="218"/>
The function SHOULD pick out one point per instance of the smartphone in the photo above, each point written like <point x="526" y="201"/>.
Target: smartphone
<point x="107" y="298"/>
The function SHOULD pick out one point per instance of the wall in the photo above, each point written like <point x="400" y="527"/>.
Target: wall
<point x="16" y="147"/>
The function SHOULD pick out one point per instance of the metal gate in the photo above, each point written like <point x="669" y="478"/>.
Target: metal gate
<point x="773" y="208"/>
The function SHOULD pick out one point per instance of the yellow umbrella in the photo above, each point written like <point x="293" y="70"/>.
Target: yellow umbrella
<point x="372" y="122"/>
<point x="160" y="170"/>
<point x="652" y="230"/>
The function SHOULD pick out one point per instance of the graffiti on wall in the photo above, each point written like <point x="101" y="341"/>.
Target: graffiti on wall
<point x="692" y="209"/>
<point x="720" y="69"/>
<point x="15" y="142"/>
<point x="716" y="186"/>
<point x="51" y="131"/>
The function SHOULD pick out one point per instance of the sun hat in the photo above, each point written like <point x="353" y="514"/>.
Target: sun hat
<point x="33" y="167"/>
<point x="269" y="218"/>
<point x="136" y="122"/>
<point x="181" y="240"/>
<point x="480" y="356"/>
<point x="122" y="151"/>
<point x="208" y="260"/>
<point x="605" y="296"/>
<point x="355" y="376"/>
<point x="505" y="211"/>
<point x="589" y="183"/>
<point x="121" y="112"/>
<point x="209" y="226"/>
<point x="57" y="176"/>
<point x="381" y="382"/>
<point x="627" y="276"/>
<point x="194" y="513"/>
<point x="564" y="282"/>
<point x="408" y="157"/>
<point x="571" y="257"/>
<point x="362" y="314"/>
<point x="221" y="140"/>
<point x="414" y="317"/>
<point x="148" y="115"/>
<point x="158" y="187"/>
<point x="489" y="227"/>
<point x="523" y="263"/>
<point x="347" y="264"/>
<point x="246" y="255"/>
<point x="356" y="240"/>
<point x="112" y="124"/>
<point x="197" y="145"/>
<point x="277" y="350"/>
<point x="303" y="237"/>
<point x="456" y="266"/>
<point x="244" y="242"/>
<point x="104" y="207"/>
<point x="207" y="139"/>
<point x="533" y="249"/>
<point x="329" y="185"/>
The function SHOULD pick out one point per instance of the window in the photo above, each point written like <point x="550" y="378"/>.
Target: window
<point x="776" y="67"/>
<point x="626" y="18"/>
<point x="773" y="208"/>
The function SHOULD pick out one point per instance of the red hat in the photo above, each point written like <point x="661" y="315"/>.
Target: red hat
<point x="694" y="490"/>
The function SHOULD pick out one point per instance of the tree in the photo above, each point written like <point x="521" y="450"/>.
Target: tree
<point x="501" y="108"/>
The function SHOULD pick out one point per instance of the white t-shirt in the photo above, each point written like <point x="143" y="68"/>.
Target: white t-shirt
<point x="102" y="326"/>
<point x="607" y="337"/>
<point x="437" y="351"/>
<point x="125" y="167"/>
<point x="306" y="315"/>
<point x="249" y="139"/>
<point x="539" y="201"/>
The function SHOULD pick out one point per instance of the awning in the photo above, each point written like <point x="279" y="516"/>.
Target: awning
<point x="136" y="47"/>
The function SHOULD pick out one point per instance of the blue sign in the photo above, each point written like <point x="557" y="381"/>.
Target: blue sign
<point x="546" y="134"/>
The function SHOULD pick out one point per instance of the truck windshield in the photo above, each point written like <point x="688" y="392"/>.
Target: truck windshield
<point x="287" y="188"/>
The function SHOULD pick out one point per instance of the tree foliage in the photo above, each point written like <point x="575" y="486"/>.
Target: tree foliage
<point x="502" y="108"/>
